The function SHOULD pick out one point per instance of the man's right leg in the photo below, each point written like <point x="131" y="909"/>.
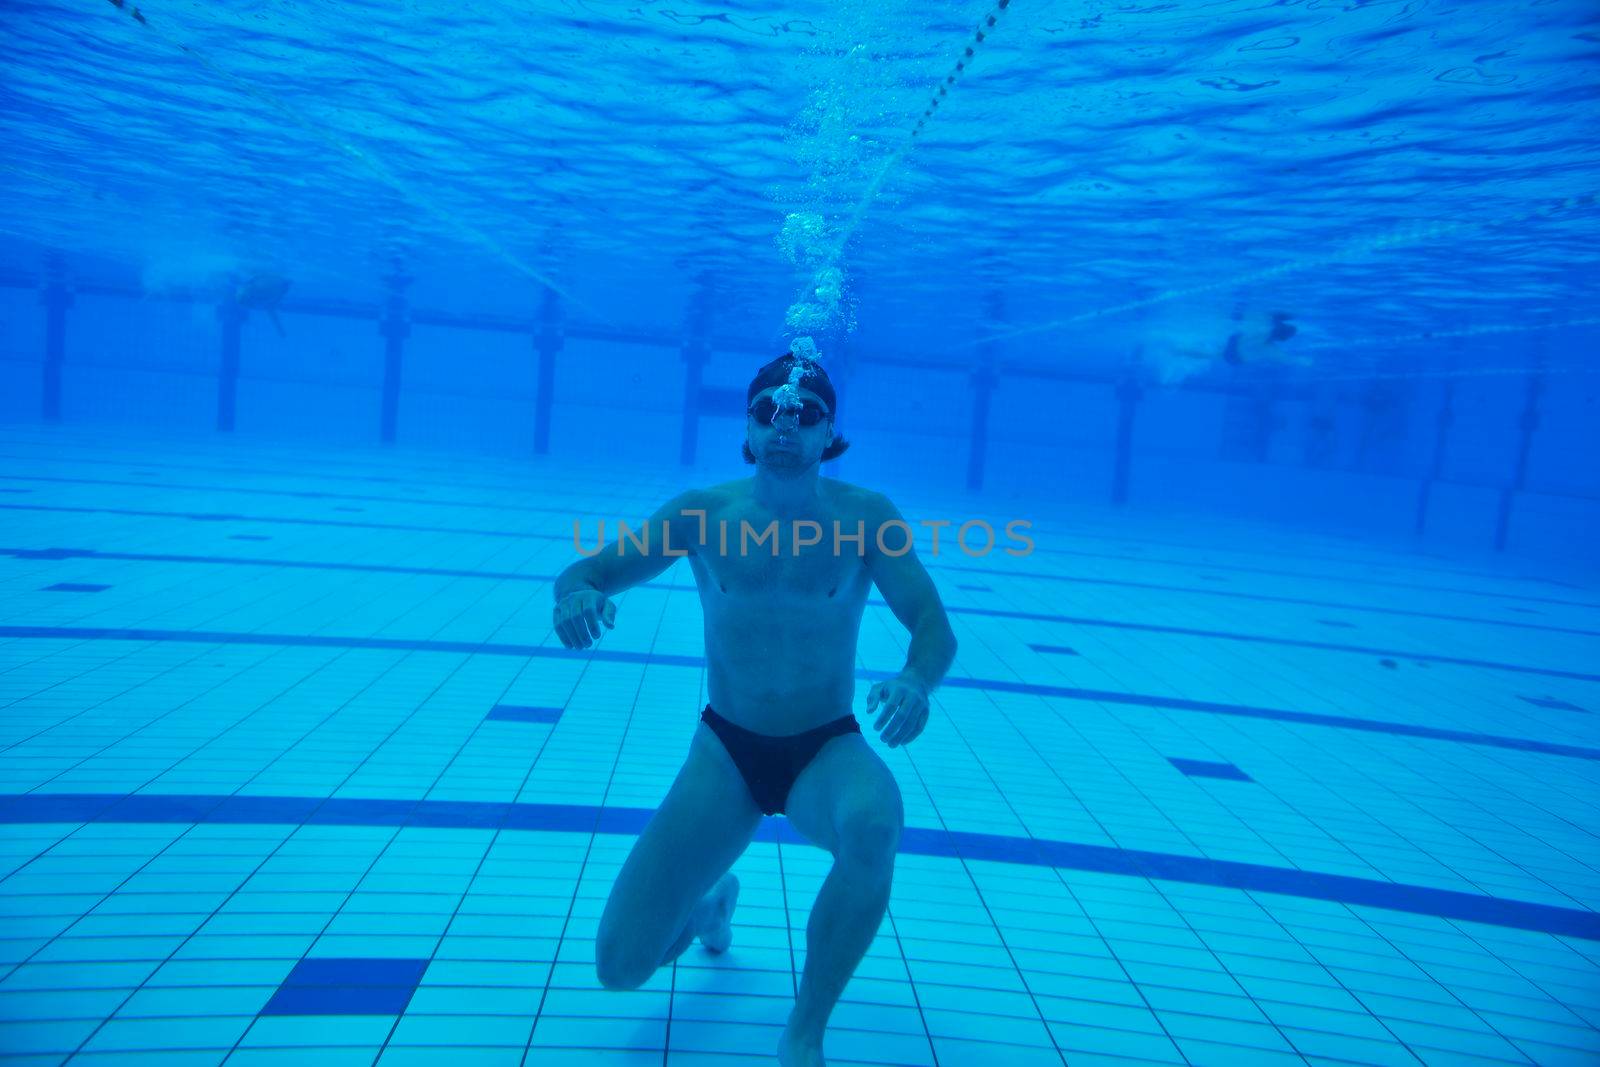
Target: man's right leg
<point x="703" y="825"/>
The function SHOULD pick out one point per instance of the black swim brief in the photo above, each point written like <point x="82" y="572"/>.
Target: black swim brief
<point x="768" y="764"/>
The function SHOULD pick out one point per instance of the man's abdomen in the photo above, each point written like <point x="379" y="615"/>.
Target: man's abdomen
<point x="781" y="679"/>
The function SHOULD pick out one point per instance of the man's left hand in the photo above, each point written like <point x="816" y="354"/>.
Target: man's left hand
<point x="904" y="701"/>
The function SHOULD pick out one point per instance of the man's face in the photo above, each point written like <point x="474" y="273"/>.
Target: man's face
<point x="779" y="437"/>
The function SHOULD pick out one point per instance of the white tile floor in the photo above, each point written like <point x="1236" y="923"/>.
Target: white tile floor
<point x="249" y="731"/>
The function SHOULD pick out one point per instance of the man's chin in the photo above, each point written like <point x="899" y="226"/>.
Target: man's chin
<point x="779" y="461"/>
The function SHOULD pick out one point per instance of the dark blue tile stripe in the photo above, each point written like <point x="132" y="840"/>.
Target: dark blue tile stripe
<point x="1341" y="889"/>
<point x="17" y="808"/>
<point x="74" y="587"/>
<point x="286" y="520"/>
<point x="303" y="494"/>
<point x="1287" y="642"/>
<point x="1271" y="598"/>
<point x="1552" y="703"/>
<point x="523" y="713"/>
<point x="223" y="637"/>
<point x="1199" y="768"/>
<point x="1343" y="722"/>
<point x="993" y="685"/>
<point x="265" y="561"/>
<point x="333" y="1000"/>
<point x="993" y="613"/>
<point x="357" y="971"/>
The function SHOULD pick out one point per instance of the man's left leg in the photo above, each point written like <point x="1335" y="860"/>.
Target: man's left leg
<point x="845" y="801"/>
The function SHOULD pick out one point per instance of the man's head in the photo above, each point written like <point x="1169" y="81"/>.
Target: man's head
<point x="790" y="415"/>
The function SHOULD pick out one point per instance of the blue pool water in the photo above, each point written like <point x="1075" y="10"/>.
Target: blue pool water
<point x="326" y="330"/>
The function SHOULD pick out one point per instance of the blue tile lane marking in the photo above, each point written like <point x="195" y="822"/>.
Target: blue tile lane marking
<point x="993" y="685"/>
<point x="74" y="587"/>
<point x="1397" y="729"/>
<point x="1286" y="642"/>
<point x="526" y="535"/>
<point x="1103" y="859"/>
<point x="222" y="637"/>
<point x="521" y="713"/>
<point x="991" y="613"/>
<point x="295" y="520"/>
<point x="48" y="553"/>
<point x="266" y="561"/>
<point x="307" y="494"/>
<point x="1199" y="768"/>
<point x="347" y="986"/>
<point x="1552" y="703"/>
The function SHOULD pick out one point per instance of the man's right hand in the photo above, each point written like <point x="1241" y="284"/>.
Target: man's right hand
<point x="579" y="616"/>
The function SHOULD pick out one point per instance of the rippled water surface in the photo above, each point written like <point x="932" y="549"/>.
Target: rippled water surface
<point x="1096" y="171"/>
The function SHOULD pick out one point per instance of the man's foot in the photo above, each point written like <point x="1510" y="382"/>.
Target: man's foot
<point x="716" y="914"/>
<point x="795" y="1050"/>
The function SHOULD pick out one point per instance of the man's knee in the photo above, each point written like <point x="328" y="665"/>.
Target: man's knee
<point x="618" y="969"/>
<point x="870" y="839"/>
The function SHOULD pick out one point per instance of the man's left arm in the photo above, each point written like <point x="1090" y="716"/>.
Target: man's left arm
<point x="911" y="595"/>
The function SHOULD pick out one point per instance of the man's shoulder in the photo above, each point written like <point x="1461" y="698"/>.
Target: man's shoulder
<point x="737" y="489"/>
<point x="710" y="497"/>
<point x="857" y="498"/>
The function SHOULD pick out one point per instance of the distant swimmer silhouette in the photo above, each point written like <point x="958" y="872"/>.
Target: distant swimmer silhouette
<point x="1198" y="344"/>
<point x="263" y="292"/>
<point x="1261" y="340"/>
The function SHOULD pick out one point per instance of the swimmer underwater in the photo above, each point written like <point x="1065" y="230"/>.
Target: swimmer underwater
<point x="778" y="734"/>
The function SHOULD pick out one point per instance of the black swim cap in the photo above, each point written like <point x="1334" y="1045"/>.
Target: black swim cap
<point x="777" y="373"/>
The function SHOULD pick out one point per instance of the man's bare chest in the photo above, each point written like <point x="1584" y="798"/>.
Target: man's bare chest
<point x="753" y="554"/>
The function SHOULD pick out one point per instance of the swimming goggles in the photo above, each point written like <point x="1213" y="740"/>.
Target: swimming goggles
<point x="809" y="412"/>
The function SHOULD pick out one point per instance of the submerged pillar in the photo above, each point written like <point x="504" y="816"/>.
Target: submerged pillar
<point x="232" y="316"/>
<point x="548" y="343"/>
<point x="694" y="362"/>
<point x="696" y="350"/>
<point x="395" y="328"/>
<point x="1527" y="425"/>
<point x="983" y="381"/>
<point x="1441" y="439"/>
<point x="985" y="377"/>
<point x="1263" y="423"/>
<point x="1249" y="420"/>
<point x="56" y="298"/>
<point x="1128" y="396"/>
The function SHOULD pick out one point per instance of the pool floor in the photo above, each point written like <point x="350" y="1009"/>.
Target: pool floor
<point x="295" y="772"/>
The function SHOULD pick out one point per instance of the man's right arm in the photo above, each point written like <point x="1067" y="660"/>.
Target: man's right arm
<point x="581" y="591"/>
